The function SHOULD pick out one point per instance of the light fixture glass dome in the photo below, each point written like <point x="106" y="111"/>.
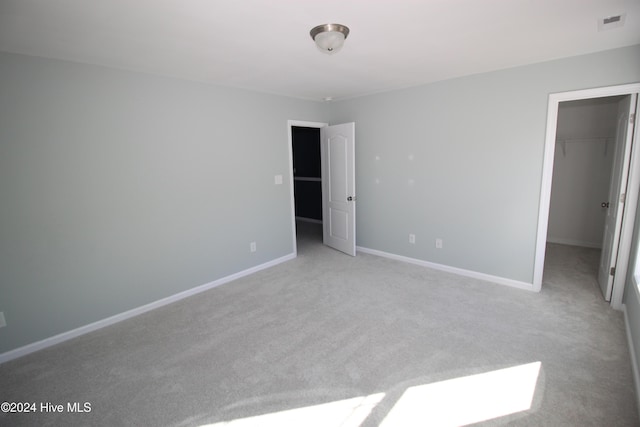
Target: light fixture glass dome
<point x="329" y="37"/>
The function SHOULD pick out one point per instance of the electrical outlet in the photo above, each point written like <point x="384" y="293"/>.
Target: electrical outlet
<point x="412" y="239"/>
<point x="3" y="322"/>
<point x="438" y="243"/>
<point x="252" y="246"/>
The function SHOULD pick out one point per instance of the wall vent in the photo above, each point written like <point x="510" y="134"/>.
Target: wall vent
<point x="611" y="22"/>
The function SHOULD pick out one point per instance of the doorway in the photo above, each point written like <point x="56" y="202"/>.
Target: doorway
<point x="306" y="181"/>
<point x="585" y="148"/>
<point x="307" y="184"/>
<point x="614" y="94"/>
<point x="337" y="180"/>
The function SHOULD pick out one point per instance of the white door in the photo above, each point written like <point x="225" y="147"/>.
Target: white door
<point x="338" y="187"/>
<point x="617" y="194"/>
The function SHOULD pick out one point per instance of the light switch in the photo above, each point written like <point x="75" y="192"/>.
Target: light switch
<point x="278" y="179"/>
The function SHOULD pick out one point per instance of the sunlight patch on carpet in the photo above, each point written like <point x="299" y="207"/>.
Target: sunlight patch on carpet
<point x="344" y="413"/>
<point x="455" y="402"/>
<point x="466" y="400"/>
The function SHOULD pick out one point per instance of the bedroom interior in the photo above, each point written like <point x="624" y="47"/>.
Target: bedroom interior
<point x="151" y="261"/>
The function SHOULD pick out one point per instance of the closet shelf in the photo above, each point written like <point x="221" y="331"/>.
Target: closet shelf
<point x="602" y="138"/>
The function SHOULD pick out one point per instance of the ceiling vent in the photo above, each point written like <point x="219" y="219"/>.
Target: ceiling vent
<point x="611" y="22"/>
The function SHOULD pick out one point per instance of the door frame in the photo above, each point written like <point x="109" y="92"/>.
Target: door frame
<point x="290" y="125"/>
<point x="633" y="187"/>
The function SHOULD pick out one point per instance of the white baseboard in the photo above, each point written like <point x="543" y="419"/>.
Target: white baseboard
<point x="56" y="339"/>
<point x="574" y="242"/>
<point x="634" y="360"/>
<point x="460" y="271"/>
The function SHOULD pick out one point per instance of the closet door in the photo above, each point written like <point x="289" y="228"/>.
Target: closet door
<point x="617" y="195"/>
<point x="338" y="187"/>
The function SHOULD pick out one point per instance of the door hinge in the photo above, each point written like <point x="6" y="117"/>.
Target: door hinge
<point x="613" y="271"/>
<point x="623" y="197"/>
<point x="632" y="118"/>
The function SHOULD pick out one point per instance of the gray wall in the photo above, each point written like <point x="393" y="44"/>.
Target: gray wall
<point x="588" y="118"/>
<point x="477" y="144"/>
<point x="118" y="189"/>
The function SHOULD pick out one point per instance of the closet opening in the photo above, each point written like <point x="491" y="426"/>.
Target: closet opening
<point x="307" y="183"/>
<point x="585" y="149"/>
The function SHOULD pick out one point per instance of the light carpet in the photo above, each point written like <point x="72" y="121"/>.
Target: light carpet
<point x="331" y="340"/>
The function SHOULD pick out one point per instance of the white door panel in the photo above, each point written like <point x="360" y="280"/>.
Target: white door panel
<point x="339" y="223"/>
<point x="617" y="191"/>
<point x="338" y="187"/>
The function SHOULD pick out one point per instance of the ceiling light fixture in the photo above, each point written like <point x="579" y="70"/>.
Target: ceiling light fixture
<point x="329" y="37"/>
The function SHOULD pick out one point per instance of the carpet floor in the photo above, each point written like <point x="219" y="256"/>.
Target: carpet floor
<point x="331" y="340"/>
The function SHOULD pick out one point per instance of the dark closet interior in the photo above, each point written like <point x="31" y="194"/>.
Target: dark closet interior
<point x="307" y="173"/>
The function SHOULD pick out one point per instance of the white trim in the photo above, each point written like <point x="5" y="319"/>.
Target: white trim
<point x="292" y="200"/>
<point x="455" y="270"/>
<point x="632" y="354"/>
<point x="547" y="165"/>
<point x="57" y="339"/>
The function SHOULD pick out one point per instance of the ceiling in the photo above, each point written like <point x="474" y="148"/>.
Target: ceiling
<point x="264" y="45"/>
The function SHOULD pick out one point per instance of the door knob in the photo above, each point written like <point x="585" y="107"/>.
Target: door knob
<point x="351" y="198"/>
<point x="604" y="204"/>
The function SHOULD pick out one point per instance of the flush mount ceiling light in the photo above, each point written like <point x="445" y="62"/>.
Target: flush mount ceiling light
<point x="329" y="37"/>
